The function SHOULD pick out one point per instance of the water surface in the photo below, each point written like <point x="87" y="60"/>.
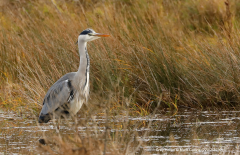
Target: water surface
<point x="187" y="132"/>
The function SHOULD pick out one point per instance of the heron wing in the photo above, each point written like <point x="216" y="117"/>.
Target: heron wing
<point x="59" y="94"/>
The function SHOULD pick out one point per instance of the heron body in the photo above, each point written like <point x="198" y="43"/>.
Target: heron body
<point x="66" y="96"/>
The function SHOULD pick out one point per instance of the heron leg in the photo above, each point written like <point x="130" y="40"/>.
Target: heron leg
<point x="75" y="120"/>
<point x="58" y="124"/>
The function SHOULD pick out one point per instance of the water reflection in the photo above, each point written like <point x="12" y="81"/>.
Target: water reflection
<point x="187" y="132"/>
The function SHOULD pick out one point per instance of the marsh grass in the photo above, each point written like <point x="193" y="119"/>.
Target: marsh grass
<point x="185" y="51"/>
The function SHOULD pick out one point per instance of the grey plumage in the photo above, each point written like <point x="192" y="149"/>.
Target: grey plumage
<point x="66" y="96"/>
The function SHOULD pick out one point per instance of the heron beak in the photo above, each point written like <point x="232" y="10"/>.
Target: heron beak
<point x="101" y="35"/>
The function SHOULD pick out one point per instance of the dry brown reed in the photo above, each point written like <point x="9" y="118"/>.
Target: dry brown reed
<point x="178" y="49"/>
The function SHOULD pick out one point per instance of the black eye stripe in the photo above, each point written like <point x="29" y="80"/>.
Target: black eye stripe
<point x="86" y="32"/>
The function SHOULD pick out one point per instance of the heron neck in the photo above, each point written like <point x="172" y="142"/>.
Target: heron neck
<point x="82" y="49"/>
<point x="83" y="70"/>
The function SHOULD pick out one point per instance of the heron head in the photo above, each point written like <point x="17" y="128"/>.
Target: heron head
<point x="90" y="35"/>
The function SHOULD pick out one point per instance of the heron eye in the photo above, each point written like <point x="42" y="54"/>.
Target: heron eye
<point x="90" y="34"/>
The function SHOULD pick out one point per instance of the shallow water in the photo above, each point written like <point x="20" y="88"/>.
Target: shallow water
<point x="194" y="132"/>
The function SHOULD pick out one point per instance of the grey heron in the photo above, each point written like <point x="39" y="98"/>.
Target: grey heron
<point x="66" y="96"/>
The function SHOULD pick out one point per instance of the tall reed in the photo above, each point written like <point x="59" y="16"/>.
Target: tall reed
<point x="156" y="48"/>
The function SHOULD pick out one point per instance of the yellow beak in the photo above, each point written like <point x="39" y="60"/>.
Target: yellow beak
<point x="101" y="35"/>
